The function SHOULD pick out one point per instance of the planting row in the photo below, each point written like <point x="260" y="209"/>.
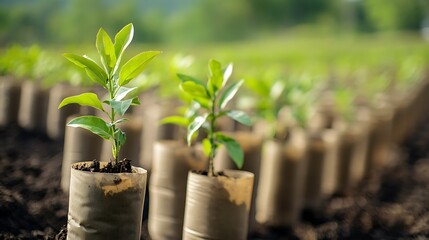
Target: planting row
<point x="309" y="140"/>
<point x="295" y="169"/>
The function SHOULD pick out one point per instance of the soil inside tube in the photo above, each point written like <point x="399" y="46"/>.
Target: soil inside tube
<point x="123" y="166"/>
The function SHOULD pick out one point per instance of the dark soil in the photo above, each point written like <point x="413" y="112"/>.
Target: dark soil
<point x="206" y="173"/>
<point x="392" y="204"/>
<point x="123" y="166"/>
<point x="32" y="205"/>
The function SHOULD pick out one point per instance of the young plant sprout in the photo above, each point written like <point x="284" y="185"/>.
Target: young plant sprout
<point x="271" y="94"/>
<point x="209" y="103"/>
<point x="112" y="75"/>
<point x="274" y="94"/>
<point x="375" y="84"/>
<point x="300" y="98"/>
<point x="300" y="108"/>
<point x="344" y="103"/>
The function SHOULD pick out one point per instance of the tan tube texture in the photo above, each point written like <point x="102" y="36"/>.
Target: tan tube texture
<point x="78" y="144"/>
<point x="33" y="107"/>
<point x="172" y="160"/>
<point x="106" y="205"/>
<point x="322" y="157"/>
<point x="56" y="119"/>
<point x="281" y="188"/>
<point x="154" y="131"/>
<point x="218" y="207"/>
<point x="353" y="144"/>
<point x="252" y="149"/>
<point x="10" y="91"/>
<point x="380" y="139"/>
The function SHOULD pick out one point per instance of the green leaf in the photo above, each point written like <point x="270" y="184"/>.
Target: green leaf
<point x="207" y="146"/>
<point x="194" y="126"/>
<point x="300" y="115"/>
<point x="135" y="101"/>
<point x="240" y="117"/>
<point x="120" y="106"/>
<point x="94" y="124"/>
<point x="227" y="74"/>
<point x="194" y="89"/>
<point x="277" y="89"/>
<point x="135" y="66"/>
<point x="215" y="81"/>
<point x="204" y="102"/>
<point x="233" y="148"/>
<point x="178" y="120"/>
<point x="211" y="89"/>
<point x="84" y="99"/>
<point x="120" y="136"/>
<point x="122" y="39"/>
<point x="95" y="72"/>
<point x="106" y="49"/>
<point x="343" y="99"/>
<point x="123" y="92"/>
<point x="229" y="93"/>
<point x="192" y="109"/>
<point x="121" y="120"/>
<point x="258" y="86"/>
<point x="186" y="78"/>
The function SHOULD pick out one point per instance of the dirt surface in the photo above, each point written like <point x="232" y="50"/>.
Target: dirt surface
<point x="32" y="205"/>
<point x="392" y="204"/>
<point x="123" y="166"/>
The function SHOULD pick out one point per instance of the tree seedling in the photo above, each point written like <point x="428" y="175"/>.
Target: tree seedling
<point x="208" y="104"/>
<point x="277" y="92"/>
<point x="301" y="96"/>
<point x="271" y="94"/>
<point x="112" y="75"/>
<point x="344" y="98"/>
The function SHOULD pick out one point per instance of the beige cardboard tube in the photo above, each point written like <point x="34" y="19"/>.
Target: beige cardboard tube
<point x="56" y="119"/>
<point x="281" y="186"/>
<point x="172" y="160"/>
<point x="322" y="167"/>
<point x="154" y="131"/>
<point x="106" y="205"/>
<point x="380" y="140"/>
<point x="33" y="107"/>
<point x="218" y="207"/>
<point x="422" y="100"/>
<point x="10" y="91"/>
<point x="252" y="148"/>
<point x="325" y="115"/>
<point x="78" y="144"/>
<point x="402" y="117"/>
<point x="353" y="144"/>
<point x="262" y="128"/>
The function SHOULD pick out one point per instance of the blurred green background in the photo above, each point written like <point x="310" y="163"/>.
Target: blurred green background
<point x="290" y="52"/>
<point x="353" y="41"/>
<point x="63" y="22"/>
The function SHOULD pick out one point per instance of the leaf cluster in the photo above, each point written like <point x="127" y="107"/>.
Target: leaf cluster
<point x="343" y="98"/>
<point x="275" y="93"/>
<point x="20" y="61"/>
<point x="301" y="97"/>
<point x="209" y="102"/>
<point x="112" y="75"/>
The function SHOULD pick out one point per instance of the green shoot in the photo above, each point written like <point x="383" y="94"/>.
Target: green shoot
<point x="344" y="103"/>
<point x="209" y="104"/>
<point x="112" y="75"/>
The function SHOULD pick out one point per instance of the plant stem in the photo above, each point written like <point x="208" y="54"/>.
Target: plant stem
<point x="212" y="138"/>
<point x="115" y="147"/>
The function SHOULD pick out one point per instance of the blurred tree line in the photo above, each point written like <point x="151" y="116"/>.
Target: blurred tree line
<point x="75" y="21"/>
